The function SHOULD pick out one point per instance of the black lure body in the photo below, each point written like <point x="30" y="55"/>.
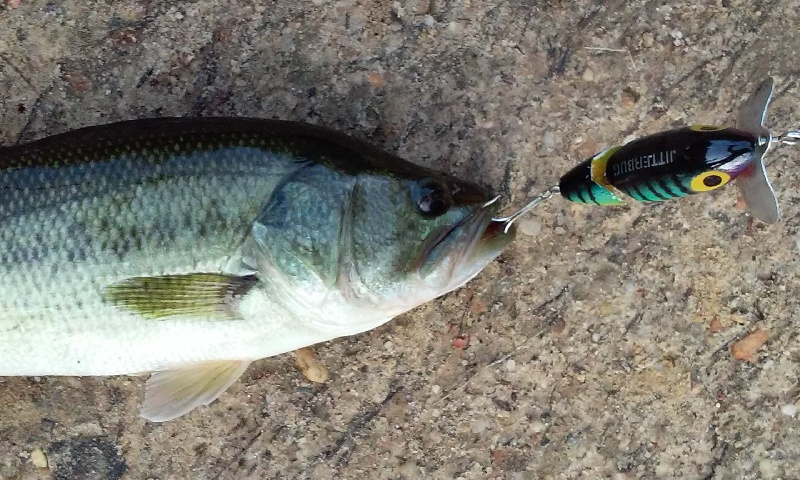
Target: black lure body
<point x="662" y="166"/>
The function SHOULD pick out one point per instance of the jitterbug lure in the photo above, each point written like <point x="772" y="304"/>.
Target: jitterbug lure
<point x="680" y="162"/>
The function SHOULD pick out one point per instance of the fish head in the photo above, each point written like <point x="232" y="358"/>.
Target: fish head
<point x="374" y="241"/>
<point x="414" y="239"/>
<point x="457" y="244"/>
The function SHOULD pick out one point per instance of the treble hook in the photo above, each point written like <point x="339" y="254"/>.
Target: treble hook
<point x="527" y="208"/>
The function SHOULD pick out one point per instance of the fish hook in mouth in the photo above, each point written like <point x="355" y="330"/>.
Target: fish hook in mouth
<point x="507" y="221"/>
<point x="480" y="221"/>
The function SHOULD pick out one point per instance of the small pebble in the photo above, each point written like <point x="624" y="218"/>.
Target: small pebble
<point x="745" y="348"/>
<point x="418" y="7"/>
<point x="436" y="389"/>
<point x="310" y="366"/>
<point x="629" y="97"/>
<point x="454" y="27"/>
<point x="511" y="365"/>
<point x="478" y="426"/>
<point x="549" y="140"/>
<point x="605" y="309"/>
<point x="530" y="226"/>
<point x="716" y="325"/>
<point x="38" y="458"/>
<point x="588" y="75"/>
<point x="770" y="468"/>
<point x="789" y="410"/>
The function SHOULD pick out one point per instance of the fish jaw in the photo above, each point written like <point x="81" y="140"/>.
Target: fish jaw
<point x="465" y="251"/>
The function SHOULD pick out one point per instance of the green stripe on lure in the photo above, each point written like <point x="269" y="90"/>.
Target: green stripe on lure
<point x="681" y="162"/>
<point x="192" y="247"/>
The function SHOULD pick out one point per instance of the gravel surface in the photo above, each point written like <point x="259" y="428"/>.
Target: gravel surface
<point x="598" y="346"/>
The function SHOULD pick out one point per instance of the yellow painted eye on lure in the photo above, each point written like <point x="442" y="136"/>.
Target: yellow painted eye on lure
<point x="707" y="181"/>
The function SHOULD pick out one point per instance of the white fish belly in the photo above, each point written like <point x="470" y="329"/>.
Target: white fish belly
<point x="60" y="325"/>
<point x="113" y="343"/>
<point x="68" y="329"/>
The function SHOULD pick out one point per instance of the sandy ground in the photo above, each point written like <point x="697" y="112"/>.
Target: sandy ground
<point x="599" y="345"/>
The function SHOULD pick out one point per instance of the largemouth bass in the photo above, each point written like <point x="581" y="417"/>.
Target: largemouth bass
<point x="191" y="247"/>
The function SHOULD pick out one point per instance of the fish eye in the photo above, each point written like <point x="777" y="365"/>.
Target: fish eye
<point x="432" y="197"/>
<point x="708" y="181"/>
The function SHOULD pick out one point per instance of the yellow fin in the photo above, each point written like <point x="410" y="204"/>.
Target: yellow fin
<point x="206" y="295"/>
<point x="171" y="393"/>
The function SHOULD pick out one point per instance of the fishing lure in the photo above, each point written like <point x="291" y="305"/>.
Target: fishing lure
<point x="680" y="162"/>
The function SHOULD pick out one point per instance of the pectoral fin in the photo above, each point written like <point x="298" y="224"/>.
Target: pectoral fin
<point x="171" y="393"/>
<point x="206" y="295"/>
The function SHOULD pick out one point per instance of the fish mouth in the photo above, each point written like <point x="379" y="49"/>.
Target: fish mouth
<point x="474" y="239"/>
<point x="497" y="229"/>
<point x="475" y="222"/>
<point x="495" y="237"/>
<point x="438" y="238"/>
